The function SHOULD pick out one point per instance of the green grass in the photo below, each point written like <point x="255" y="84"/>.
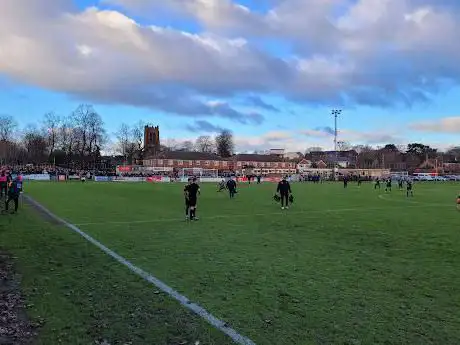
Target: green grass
<point x="354" y="266"/>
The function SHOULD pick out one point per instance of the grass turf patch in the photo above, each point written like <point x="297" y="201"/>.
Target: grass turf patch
<point x="354" y="266"/>
<point x="82" y="296"/>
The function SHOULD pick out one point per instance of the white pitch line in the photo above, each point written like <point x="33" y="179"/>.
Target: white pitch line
<point x="197" y="309"/>
<point x="165" y="220"/>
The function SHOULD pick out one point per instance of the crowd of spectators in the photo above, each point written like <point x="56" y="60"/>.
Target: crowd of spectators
<point x="56" y="170"/>
<point x="69" y="173"/>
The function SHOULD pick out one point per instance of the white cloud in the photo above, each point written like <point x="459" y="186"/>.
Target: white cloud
<point x="300" y="140"/>
<point x="318" y="133"/>
<point x="291" y="141"/>
<point x="277" y="136"/>
<point x="373" y="52"/>
<point x="447" y="125"/>
<point x="372" y="137"/>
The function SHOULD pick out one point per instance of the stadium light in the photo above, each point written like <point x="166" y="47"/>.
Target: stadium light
<point x="335" y="113"/>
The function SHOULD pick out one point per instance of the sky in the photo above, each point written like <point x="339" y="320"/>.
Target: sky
<point x="269" y="70"/>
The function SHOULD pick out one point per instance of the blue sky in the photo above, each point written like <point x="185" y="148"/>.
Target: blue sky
<point x="271" y="70"/>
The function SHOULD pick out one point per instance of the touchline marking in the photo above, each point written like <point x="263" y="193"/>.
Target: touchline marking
<point x="165" y="220"/>
<point x="197" y="309"/>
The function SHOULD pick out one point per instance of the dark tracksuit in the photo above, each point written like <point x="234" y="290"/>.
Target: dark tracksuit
<point x="13" y="195"/>
<point x="388" y="186"/>
<point x="284" y="188"/>
<point x="409" y="188"/>
<point x="192" y="192"/>
<point x="231" y="186"/>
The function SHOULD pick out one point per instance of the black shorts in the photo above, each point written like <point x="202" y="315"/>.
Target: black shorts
<point x="192" y="202"/>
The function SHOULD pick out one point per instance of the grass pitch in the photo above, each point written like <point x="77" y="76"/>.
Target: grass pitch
<point x="342" y="266"/>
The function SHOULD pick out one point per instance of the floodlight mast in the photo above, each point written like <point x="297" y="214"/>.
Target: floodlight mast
<point x="336" y="113"/>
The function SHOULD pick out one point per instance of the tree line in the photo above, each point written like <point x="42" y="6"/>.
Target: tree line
<point x="80" y="139"/>
<point x="222" y="144"/>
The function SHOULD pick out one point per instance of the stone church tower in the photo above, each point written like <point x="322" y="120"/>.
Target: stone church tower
<point x="152" y="139"/>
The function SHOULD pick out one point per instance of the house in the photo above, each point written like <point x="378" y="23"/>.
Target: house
<point x="262" y="164"/>
<point x="304" y="165"/>
<point x="321" y="165"/>
<point x="451" y="168"/>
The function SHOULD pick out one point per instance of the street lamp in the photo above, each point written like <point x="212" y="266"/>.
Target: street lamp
<point x="335" y="113"/>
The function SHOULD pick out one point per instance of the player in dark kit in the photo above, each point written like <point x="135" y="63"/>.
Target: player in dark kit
<point x="345" y="182"/>
<point x="409" y="188"/>
<point x="284" y="189"/>
<point x="187" y="204"/>
<point x="400" y="183"/>
<point x="192" y="191"/>
<point x="231" y="186"/>
<point x="377" y="183"/>
<point x="388" y="186"/>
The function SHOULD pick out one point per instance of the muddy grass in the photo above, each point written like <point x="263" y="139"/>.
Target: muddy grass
<point x="15" y="327"/>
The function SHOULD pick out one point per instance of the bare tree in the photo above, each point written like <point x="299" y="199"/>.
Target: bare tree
<point x="67" y="137"/>
<point x="204" y="143"/>
<point x="7" y="126"/>
<point x="87" y="133"/>
<point x="362" y="148"/>
<point x="97" y="136"/>
<point x="225" y="144"/>
<point x="35" y="143"/>
<point x="51" y="123"/>
<point x="137" y="133"/>
<point x="187" y="146"/>
<point x="123" y="136"/>
<point x="82" y="119"/>
<point x="171" y="144"/>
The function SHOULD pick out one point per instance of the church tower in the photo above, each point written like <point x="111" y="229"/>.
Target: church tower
<point x="152" y="139"/>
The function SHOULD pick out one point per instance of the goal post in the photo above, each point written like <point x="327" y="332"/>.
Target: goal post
<point x="200" y="172"/>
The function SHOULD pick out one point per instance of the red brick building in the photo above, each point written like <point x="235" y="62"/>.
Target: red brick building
<point x="242" y="163"/>
<point x="183" y="159"/>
